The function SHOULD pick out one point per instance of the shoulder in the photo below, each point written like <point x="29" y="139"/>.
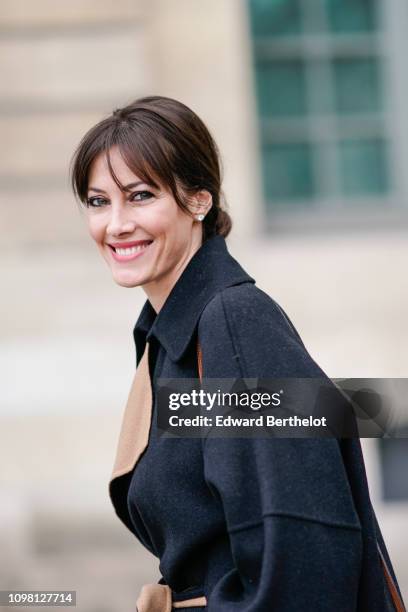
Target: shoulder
<point x="247" y="302"/>
<point x="245" y="320"/>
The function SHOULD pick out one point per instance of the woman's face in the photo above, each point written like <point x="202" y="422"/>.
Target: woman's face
<point x="144" y="236"/>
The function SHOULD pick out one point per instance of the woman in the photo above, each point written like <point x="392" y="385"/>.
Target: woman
<point x="239" y="524"/>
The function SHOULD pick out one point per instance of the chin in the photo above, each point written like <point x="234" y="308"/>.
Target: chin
<point x="127" y="281"/>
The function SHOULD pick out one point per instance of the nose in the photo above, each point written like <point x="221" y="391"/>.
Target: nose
<point x="120" y="221"/>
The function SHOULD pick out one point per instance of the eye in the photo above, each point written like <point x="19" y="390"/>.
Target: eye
<point x="96" y="202"/>
<point x="140" y="196"/>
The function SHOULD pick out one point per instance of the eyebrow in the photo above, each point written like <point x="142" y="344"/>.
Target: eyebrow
<point x="125" y="188"/>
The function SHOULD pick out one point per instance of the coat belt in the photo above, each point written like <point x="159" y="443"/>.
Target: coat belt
<point x="158" y="598"/>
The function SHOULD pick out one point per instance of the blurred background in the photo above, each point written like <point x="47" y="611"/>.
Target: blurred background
<point x="307" y="100"/>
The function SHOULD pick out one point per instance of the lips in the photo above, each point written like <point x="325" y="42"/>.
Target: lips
<point x="135" y="244"/>
<point x="127" y="251"/>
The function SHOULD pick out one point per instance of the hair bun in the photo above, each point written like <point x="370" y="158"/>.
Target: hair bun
<point x="224" y="223"/>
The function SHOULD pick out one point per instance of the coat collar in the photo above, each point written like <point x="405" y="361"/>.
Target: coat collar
<point x="211" y="269"/>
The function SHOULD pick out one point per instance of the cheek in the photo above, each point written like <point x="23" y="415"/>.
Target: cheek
<point x="164" y="222"/>
<point x="179" y="223"/>
<point x="95" y="229"/>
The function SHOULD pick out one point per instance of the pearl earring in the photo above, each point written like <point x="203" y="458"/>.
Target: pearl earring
<point x="200" y="217"/>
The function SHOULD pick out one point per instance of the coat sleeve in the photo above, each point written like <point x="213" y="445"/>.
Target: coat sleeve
<point x="295" y="536"/>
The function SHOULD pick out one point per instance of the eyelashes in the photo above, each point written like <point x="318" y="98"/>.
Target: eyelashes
<point x="136" y="196"/>
<point x="95" y="202"/>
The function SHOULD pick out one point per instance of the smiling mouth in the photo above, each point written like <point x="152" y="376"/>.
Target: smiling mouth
<point x="131" y="250"/>
<point x="128" y="250"/>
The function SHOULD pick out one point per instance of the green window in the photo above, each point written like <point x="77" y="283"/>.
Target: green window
<point x="281" y="88"/>
<point x="292" y="174"/>
<point x="320" y="97"/>
<point x="362" y="166"/>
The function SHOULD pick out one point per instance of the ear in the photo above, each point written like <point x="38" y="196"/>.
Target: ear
<point x="201" y="202"/>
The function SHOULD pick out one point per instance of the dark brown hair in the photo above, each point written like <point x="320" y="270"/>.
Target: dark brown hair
<point x="162" y="141"/>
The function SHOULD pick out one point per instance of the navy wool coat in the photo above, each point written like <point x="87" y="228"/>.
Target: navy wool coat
<point x="255" y="525"/>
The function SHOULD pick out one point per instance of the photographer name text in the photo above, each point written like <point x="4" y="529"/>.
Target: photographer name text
<point x="258" y="421"/>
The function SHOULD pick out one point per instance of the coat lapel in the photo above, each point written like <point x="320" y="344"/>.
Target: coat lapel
<point x="210" y="270"/>
<point x="136" y="421"/>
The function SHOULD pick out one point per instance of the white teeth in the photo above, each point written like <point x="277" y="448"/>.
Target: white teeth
<point x="131" y="250"/>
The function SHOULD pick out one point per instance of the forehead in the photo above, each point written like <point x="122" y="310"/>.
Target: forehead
<point x="100" y="174"/>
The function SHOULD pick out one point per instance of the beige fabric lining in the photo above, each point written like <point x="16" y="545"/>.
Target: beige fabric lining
<point x="154" y="598"/>
<point x="195" y="602"/>
<point x="136" y="421"/>
<point x="157" y="598"/>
